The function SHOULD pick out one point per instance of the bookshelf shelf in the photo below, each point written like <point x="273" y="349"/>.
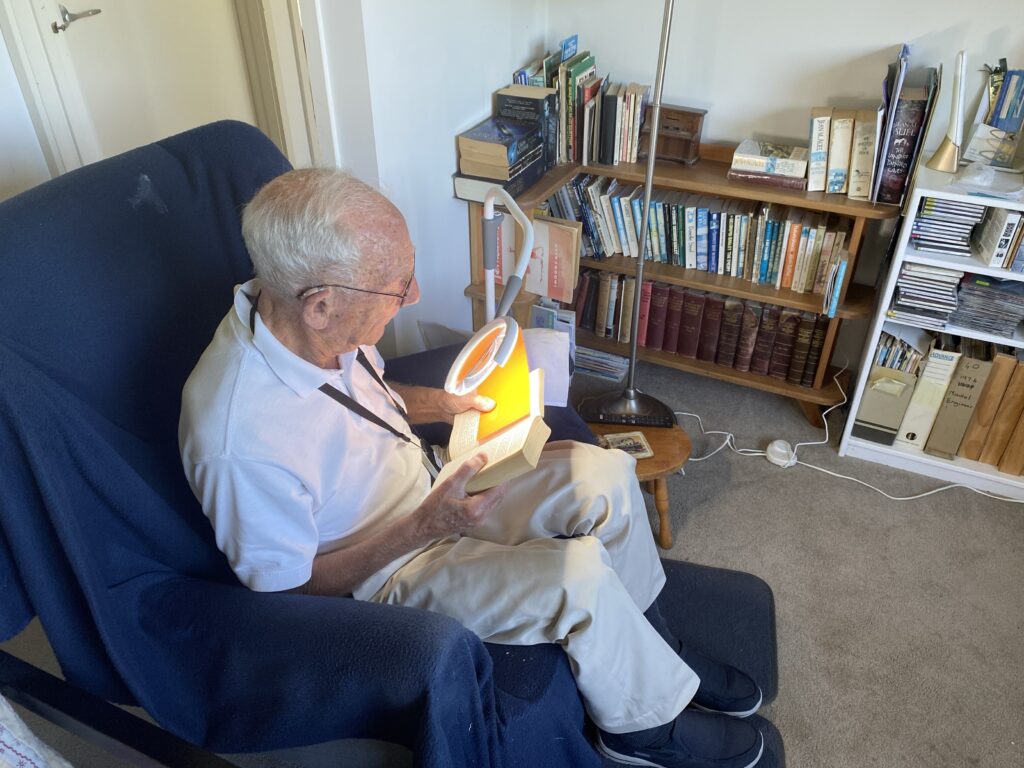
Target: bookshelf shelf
<point x="826" y="395"/>
<point x="709" y="176"/>
<point x="860" y="299"/>
<point x="957" y="470"/>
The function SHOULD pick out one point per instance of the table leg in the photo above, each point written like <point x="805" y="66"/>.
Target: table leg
<point x="661" y="504"/>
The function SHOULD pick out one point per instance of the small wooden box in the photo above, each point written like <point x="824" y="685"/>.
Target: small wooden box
<point x="678" y="133"/>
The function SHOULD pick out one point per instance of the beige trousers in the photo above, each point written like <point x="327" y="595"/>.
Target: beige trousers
<point x="510" y="582"/>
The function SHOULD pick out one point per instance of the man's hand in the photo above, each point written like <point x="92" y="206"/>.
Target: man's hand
<point x="427" y="404"/>
<point x="449" y="509"/>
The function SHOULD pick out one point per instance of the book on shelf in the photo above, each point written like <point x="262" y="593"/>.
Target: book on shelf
<point x="582" y="287"/>
<point x="532" y="104"/>
<point x="863" y="153"/>
<point x="673" y="317"/>
<point x="589" y="319"/>
<point x="768" y="157"/>
<point x="748" y="335"/>
<point x="932" y="384"/>
<point x="611" y="318"/>
<point x="512" y="446"/>
<point x="785" y="339"/>
<point x="604" y="287"/>
<point x="555" y="259"/>
<point x="765" y="341"/>
<point x="645" y="313"/>
<point x="817" y="160"/>
<point x="729" y="335"/>
<point x="656" y="318"/>
<point x="814" y="353"/>
<point x="1010" y="407"/>
<point x="468" y="166"/>
<point x="995" y="235"/>
<point x="1012" y="460"/>
<point x="910" y="108"/>
<point x="801" y="348"/>
<point x="711" y="324"/>
<point x="499" y="141"/>
<point x="839" y="148"/>
<point x="958" y="405"/>
<point x="689" y="324"/>
<point x="474" y="189"/>
<point x="766" y="179"/>
<point x="625" y="333"/>
<point x="1003" y="367"/>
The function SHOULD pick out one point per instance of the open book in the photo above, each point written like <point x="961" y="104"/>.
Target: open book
<point x="511" y="436"/>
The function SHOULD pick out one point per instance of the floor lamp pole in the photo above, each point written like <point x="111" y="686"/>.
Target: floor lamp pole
<point x="631" y="406"/>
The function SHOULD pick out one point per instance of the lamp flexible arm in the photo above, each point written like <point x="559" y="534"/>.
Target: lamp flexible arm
<point x="491" y="222"/>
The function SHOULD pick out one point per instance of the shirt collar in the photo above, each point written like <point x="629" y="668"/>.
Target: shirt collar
<point x="300" y="375"/>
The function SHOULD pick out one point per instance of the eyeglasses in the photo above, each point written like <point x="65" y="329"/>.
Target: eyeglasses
<point x="401" y="296"/>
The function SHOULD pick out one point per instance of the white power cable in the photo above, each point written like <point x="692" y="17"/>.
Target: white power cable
<point x="730" y="442"/>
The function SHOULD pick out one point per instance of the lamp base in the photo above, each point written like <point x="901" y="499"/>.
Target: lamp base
<point x="946" y="158"/>
<point x="627" y="407"/>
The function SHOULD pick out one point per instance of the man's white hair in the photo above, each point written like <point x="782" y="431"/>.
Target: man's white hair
<point x="302" y="228"/>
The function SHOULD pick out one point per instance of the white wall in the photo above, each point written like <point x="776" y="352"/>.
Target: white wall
<point x="422" y="72"/>
<point x="21" y="160"/>
<point x="430" y="69"/>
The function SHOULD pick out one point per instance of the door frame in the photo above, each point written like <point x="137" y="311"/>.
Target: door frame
<point x="283" y="56"/>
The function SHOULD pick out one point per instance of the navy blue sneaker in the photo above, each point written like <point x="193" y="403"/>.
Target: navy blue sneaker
<point x="723" y="688"/>
<point x="692" y="740"/>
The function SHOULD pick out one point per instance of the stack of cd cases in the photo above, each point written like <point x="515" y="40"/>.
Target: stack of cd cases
<point x="944" y="226"/>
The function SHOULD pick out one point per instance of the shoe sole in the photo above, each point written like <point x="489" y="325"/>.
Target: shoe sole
<point x="739" y="715"/>
<point x="611" y="754"/>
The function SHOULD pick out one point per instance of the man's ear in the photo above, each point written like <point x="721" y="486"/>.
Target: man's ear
<point x="315" y="311"/>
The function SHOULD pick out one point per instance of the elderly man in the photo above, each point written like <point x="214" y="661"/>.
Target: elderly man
<point x="303" y="460"/>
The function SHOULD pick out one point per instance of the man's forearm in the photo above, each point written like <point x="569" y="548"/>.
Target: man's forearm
<point x="423" y="404"/>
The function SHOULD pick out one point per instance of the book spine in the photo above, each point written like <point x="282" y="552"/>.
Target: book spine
<point x="603" y="295"/>
<point x="862" y="155"/>
<point x="801" y="348"/>
<point x="781" y="166"/>
<point x="626" y="313"/>
<point x="906" y="127"/>
<point x="839" y="152"/>
<point x="785" y="339"/>
<point x="728" y="338"/>
<point x="710" y="326"/>
<point x="748" y="335"/>
<point x="690" y="225"/>
<point x="704" y="262"/>
<point x="645" y="311"/>
<point x="762" y="356"/>
<point x="656" y="319"/>
<point x="689" y="324"/>
<point x="673" y="317"/>
<point x="1009" y="412"/>
<point x="814" y="353"/>
<point x="766" y="179"/>
<point x="1003" y="367"/>
<point x="817" y="165"/>
<point x="703" y="231"/>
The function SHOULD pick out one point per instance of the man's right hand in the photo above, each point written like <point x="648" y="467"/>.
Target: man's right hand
<point x="448" y="509"/>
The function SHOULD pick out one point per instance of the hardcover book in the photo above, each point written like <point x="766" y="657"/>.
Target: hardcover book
<point x="532" y="104"/>
<point x="645" y="312"/>
<point x="862" y="155"/>
<point x="801" y="348"/>
<point x="499" y="141"/>
<point x="748" y="335"/>
<point x="785" y="339"/>
<point x="673" y="317"/>
<point x="840" y="143"/>
<point x="766" y="157"/>
<point x="765" y="339"/>
<point x="766" y="179"/>
<point x="904" y="138"/>
<point x="728" y="337"/>
<point x="817" y="167"/>
<point x="656" y="319"/>
<point x="814" y="354"/>
<point x="689" y="325"/>
<point x="710" y="325"/>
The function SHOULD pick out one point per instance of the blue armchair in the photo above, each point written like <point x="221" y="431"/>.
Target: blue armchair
<point x="112" y="280"/>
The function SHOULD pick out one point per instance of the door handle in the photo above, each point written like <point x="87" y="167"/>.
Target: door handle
<point x="67" y="17"/>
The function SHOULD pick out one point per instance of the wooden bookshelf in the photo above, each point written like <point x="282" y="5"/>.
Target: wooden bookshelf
<point x="709" y="176"/>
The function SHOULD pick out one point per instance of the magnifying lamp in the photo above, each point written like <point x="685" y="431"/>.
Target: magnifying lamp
<point x="493" y="362"/>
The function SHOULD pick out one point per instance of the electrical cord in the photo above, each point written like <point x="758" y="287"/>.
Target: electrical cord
<point x="730" y="442"/>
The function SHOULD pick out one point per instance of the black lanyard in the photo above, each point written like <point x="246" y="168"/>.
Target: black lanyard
<point x="340" y="397"/>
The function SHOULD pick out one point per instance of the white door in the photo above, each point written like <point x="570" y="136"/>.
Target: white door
<point x="141" y="70"/>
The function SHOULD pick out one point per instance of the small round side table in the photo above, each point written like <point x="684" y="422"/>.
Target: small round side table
<point x="671" y="446"/>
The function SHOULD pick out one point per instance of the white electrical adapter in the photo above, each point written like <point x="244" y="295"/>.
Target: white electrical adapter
<point x="780" y="453"/>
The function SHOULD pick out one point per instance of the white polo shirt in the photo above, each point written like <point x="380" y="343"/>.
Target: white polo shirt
<point x="282" y="470"/>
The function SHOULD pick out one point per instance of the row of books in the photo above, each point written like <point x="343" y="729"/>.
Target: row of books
<point x="967" y="401"/>
<point x="864" y="154"/>
<point x="765" y="243"/>
<point x="748" y="336"/>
